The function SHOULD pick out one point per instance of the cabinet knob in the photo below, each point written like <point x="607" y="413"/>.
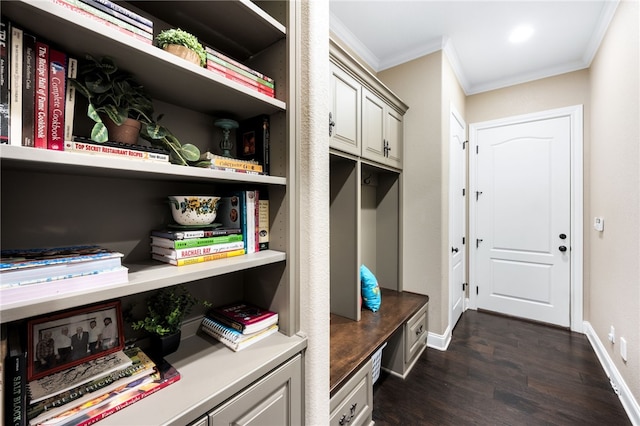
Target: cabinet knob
<point x="331" y="124"/>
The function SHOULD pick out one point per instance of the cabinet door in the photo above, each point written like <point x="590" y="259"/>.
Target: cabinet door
<point x="373" y="121"/>
<point x="276" y="399"/>
<point x="393" y="135"/>
<point x="344" y="119"/>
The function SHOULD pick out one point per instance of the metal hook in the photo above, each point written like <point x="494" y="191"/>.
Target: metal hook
<point x="367" y="180"/>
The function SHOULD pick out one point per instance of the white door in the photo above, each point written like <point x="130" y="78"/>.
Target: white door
<point x="457" y="208"/>
<point x="522" y="197"/>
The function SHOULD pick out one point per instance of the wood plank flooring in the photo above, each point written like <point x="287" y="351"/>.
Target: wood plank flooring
<point x="502" y="371"/>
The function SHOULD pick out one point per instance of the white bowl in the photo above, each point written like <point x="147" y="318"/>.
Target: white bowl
<point x="193" y="209"/>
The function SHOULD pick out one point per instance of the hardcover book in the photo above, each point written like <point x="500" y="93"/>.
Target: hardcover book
<point x="41" y="95"/>
<point x="263" y="223"/>
<point x="49" y="408"/>
<point x="4" y="80"/>
<point x="57" y="91"/>
<point x="197" y="251"/>
<point x="111" y="9"/>
<point x="70" y="100"/>
<point x="110" y="151"/>
<point x="16" y="389"/>
<point x="28" y="88"/>
<point x="194" y="242"/>
<point x="198" y="259"/>
<point x="253" y="141"/>
<point x="172" y="234"/>
<point x="244" y="317"/>
<point x="69" y="378"/>
<point x="15" y="93"/>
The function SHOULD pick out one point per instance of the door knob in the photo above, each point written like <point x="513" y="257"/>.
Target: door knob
<point x="562" y="248"/>
<point x="563" y="236"/>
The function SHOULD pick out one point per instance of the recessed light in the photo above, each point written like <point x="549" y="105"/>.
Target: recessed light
<point x="521" y="33"/>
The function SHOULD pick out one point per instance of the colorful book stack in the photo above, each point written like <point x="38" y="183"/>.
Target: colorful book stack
<point x="240" y="325"/>
<point x="241" y="209"/>
<point x="227" y="164"/>
<point x="44" y="272"/>
<point x="91" y="400"/>
<point x="238" y="72"/>
<point x="187" y="247"/>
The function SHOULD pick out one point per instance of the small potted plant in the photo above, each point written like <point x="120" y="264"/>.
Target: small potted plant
<point x="182" y="44"/>
<point x="166" y="309"/>
<point x="116" y="97"/>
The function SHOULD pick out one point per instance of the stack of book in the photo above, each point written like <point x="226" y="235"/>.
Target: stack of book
<point x="240" y="325"/>
<point x="238" y="72"/>
<point x="44" y="272"/>
<point x="187" y="247"/>
<point x="54" y="401"/>
<point x="249" y="211"/>
<point x="227" y="164"/>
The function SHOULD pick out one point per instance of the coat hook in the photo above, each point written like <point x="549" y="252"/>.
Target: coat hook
<point x="367" y="180"/>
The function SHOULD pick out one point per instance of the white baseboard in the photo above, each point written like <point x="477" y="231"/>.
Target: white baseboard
<point x="439" y="342"/>
<point x="617" y="382"/>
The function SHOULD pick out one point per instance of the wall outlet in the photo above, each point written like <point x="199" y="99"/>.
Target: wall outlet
<point x="612" y="335"/>
<point x="623" y="349"/>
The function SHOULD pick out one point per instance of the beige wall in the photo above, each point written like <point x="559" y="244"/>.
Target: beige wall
<point x="615" y="191"/>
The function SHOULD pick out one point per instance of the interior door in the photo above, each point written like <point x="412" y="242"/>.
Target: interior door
<point x="457" y="224"/>
<point x="522" y="214"/>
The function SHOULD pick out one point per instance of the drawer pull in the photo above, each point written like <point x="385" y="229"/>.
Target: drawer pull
<point x="344" y="419"/>
<point x="419" y="330"/>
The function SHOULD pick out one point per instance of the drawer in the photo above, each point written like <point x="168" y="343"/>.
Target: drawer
<point x="415" y="334"/>
<point x="352" y="405"/>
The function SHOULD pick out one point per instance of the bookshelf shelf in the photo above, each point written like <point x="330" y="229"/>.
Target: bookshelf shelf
<point x="143" y="276"/>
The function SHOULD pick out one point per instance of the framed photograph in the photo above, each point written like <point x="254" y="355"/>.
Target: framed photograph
<point x="60" y="341"/>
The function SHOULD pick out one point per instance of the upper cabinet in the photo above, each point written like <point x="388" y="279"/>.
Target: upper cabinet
<point x="365" y="117"/>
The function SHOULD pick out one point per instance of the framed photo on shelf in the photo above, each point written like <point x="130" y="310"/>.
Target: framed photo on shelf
<point x="60" y="341"/>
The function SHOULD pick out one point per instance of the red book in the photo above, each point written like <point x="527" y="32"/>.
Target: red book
<point x="244" y="317"/>
<point x="232" y="75"/>
<point x="41" y="95"/>
<point x="57" y="91"/>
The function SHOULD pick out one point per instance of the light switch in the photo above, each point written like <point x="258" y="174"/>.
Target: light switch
<point x="598" y="224"/>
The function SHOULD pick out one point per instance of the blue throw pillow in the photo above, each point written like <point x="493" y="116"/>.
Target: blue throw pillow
<point x="370" y="289"/>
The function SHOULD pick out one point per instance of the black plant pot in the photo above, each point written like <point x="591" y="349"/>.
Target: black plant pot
<point x="162" y="346"/>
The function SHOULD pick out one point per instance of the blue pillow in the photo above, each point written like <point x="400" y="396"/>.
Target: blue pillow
<point x="370" y="289"/>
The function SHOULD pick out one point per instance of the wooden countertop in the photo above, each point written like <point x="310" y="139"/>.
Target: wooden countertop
<point x="353" y="342"/>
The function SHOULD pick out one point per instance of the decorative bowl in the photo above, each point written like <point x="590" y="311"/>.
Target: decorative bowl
<point x="193" y="209"/>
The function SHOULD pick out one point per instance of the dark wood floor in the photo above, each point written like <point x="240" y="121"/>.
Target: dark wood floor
<point x="502" y="371"/>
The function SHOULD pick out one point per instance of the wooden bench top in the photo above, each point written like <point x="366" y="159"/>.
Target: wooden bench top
<point x="354" y="342"/>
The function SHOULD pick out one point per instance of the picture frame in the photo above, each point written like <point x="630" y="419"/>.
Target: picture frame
<point x="60" y="341"/>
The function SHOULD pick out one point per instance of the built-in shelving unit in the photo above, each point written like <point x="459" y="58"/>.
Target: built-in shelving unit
<point x="63" y="198"/>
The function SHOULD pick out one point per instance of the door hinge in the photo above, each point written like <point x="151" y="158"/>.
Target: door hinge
<point x="477" y="290"/>
<point x="477" y="149"/>
<point x="464" y="240"/>
<point x="464" y="286"/>
<point x="464" y="192"/>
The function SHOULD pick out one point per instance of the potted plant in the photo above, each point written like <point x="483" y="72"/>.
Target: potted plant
<point x="166" y="309"/>
<point x="115" y="96"/>
<point x="183" y="44"/>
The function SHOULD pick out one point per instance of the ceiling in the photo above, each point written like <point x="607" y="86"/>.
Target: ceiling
<point x="474" y="35"/>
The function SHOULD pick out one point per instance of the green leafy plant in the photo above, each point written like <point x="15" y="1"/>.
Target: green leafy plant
<point x="114" y="93"/>
<point x="182" y="38"/>
<point x="166" y="309"/>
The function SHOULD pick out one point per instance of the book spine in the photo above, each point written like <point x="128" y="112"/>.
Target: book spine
<point x="42" y="95"/>
<point x="217" y="62"/>
<point x="263" y="224"/>
<point x="117" y="14"/>
<point x="196" y="242"/>
<point x="16" y="390"/>
<point x="223" y="57"/>
<point x="266" y="144"/>
<point x="178" y="235"/>
<point x="142" y="37"/>
<point x="4" y="81"/>
<point x="15" y="106"/>
<point x="126" y="12"/>
<point x="109" y="151"/>
<point x="28" y="88"/>
<point x="236" y="164"/>
<point x="81" y="6"/>
<point x="197" y="251"/>
<point x="57" y="82"/>
<point x="250" y="201"/>
<point x="198" y="259"/>
<point x="70" y="102"/>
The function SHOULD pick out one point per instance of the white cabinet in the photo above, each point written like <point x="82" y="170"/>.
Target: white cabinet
<point x="382" y="131"/>
<point x="365" y="117"/>
<point x="56" y="198"/>
<point x="345" y="111"/>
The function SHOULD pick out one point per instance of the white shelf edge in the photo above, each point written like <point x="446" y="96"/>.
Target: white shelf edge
<point x="148" y="169"/>
<point x="142" y="277"/>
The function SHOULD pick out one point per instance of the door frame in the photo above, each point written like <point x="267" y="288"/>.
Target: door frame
<point x="575" y="114"/>
<point x="455" y="192"/>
